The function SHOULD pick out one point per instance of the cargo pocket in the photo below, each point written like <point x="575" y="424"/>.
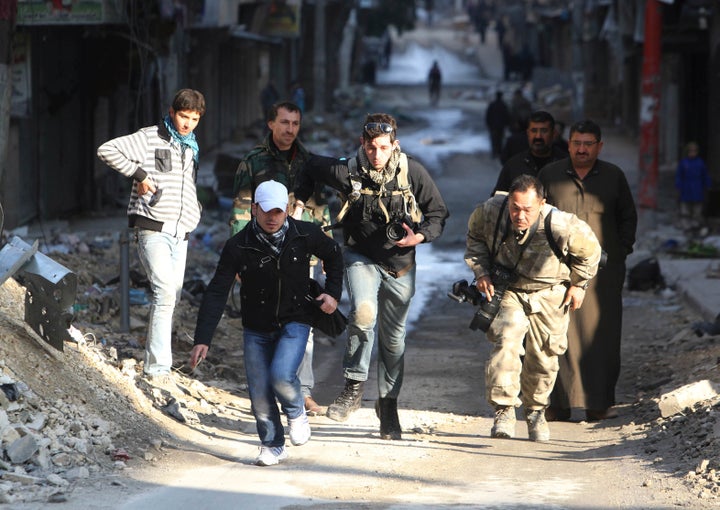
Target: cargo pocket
<point x="556" y="344"/>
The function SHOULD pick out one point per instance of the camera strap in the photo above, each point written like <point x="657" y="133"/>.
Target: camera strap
<point x="506" y="233"/>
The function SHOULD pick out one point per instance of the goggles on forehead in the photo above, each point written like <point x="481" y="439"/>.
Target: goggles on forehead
<point x="383" y="127"/>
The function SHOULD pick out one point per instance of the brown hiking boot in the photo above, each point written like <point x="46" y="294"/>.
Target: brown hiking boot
<point x="504" y="424"/>
<point x="538" y="429"/>
<point x="347" y="402"/>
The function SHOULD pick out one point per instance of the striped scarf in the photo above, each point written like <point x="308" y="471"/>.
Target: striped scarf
<point x="272" y="241"/>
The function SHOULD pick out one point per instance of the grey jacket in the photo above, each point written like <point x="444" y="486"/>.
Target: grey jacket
<point x="151" y="151"/>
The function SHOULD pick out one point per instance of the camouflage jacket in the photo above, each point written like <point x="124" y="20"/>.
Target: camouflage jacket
<point x="265" y="162"/>
<point x="536" y="265"/>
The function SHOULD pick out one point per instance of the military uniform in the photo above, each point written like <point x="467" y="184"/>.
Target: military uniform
<point x="266" y="162"/>
<point x="531" y="309"/>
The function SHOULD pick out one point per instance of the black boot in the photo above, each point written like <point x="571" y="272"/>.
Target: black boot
<point x="347" y="402"/>
<point x="386" y="410"/>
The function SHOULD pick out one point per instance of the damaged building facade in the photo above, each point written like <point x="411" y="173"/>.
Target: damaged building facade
<point x="595" y="48"/>
<point x="84" y="71"/>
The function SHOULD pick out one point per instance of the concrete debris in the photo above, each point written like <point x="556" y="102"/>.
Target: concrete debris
<point x="48" y="444"/>
<point x="22" y="449"/>
<point x="678" y="400"/>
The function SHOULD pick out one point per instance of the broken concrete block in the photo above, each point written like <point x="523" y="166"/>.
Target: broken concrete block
<point x="678" y="400"/>
<point x="22" y="449"/>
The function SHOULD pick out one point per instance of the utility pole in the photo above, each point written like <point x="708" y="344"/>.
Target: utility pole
<point x="319" y="104"/>
<point x="8" y="13"/>
<point x="650" y="106"/>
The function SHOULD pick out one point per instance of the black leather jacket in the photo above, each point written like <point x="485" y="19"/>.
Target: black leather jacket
<point x="273" y="287"/>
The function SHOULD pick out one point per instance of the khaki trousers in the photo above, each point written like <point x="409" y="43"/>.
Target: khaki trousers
<point x="533" y="325"/>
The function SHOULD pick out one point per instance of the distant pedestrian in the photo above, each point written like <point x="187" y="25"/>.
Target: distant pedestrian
<point x="692" y="181"/>
<point x="559" y="138"/>
<point x="497" y="119"/>
<point x="520" y="108"/>
<point x="297" y="95"/>
<point x="434" y="83"/>
<point x="516" y="142"/>
<point x="387" y="49"/>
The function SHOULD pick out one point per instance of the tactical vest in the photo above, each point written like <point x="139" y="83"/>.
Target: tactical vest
<point x="368" y="196"/>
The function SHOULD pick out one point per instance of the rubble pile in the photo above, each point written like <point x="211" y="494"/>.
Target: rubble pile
<point x="677" y="405"/>
<point x="692" y="441"/>
<point x="48" y="446"/>
<point x="81" y="416"/>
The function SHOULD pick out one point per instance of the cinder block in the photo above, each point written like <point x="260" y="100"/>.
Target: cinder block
<point x="678" y="400"/>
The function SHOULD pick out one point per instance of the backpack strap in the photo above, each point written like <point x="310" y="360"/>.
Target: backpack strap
<point x="411" y="207"/>
<point x="551" y="238"/>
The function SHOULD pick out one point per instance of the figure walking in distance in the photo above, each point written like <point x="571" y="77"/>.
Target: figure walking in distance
<point x="497" y="119"/>
<point x="692" y="180"/>
<point x="434" y="83"/>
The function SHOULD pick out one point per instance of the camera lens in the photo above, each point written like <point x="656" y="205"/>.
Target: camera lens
<point x="395" y="231"/>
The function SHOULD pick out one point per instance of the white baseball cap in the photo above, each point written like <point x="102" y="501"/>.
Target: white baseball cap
<point x="271" y="195"/>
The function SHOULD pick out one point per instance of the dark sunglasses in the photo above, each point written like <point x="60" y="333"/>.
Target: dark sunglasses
<point x="378" y="126"/>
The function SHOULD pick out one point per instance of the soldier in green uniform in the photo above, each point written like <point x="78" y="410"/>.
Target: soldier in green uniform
<point x="281" y="157"/>
<point x="506" y="234"/>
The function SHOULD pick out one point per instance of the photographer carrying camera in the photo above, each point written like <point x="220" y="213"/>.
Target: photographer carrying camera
<point x="392" y="206"/>
<point x="506" y="238"/>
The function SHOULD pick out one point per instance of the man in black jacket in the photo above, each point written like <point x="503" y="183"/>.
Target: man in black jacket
<point x="540" y="136"/>
<point x="393" y="205"/>
<point x="272" y="257"/>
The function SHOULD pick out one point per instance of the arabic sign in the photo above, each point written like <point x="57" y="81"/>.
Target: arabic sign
<point x="64" y="12"/>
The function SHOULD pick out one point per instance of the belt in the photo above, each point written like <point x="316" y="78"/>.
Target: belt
<point x="400" y="272"/>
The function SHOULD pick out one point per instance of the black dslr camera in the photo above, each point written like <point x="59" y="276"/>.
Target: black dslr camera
<point x="502" y="278"/>
<point x="395" y="230"/>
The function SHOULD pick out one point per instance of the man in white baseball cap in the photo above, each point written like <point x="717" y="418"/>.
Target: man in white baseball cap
<point x="268" y="255"/>
<point x="271" y="195"/>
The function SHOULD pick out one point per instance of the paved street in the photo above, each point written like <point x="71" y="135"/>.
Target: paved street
<point x="446" y="458"/>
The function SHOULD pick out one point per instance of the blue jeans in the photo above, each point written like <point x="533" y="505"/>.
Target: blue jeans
<point x="271" y="364"/>
<point x="163" y="257"/>
<point x="376" y="298"/>
<point x="305" y="372"/>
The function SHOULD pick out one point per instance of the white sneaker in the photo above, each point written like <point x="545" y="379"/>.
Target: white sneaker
<point x="299" y="430"/>
<point x="271" y="455"/>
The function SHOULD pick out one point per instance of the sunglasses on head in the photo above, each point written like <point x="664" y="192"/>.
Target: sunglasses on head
<point x="379" y="126"/>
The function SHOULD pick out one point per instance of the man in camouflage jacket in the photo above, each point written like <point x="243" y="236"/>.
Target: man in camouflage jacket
<point x="529" y="331"/>
<point x="280" y="157"/>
